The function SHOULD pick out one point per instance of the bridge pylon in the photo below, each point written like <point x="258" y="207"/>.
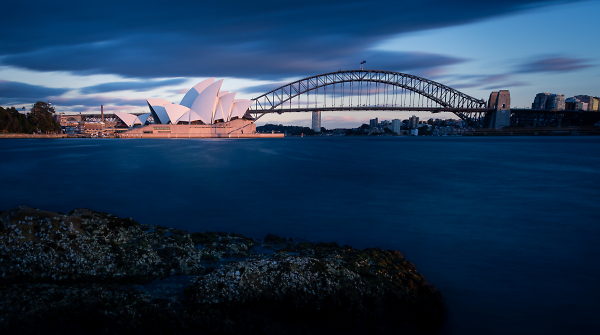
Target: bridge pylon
<point x="499" y="117"/>
<point x="316" y="121"/>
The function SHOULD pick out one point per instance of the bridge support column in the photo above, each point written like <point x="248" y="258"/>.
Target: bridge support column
<point x="316" y="122"/>
<point x="501" y="116"/>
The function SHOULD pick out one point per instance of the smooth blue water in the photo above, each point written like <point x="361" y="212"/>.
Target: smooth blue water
<point x="507" y="228"/>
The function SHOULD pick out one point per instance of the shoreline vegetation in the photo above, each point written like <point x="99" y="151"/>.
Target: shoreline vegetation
<point x="93" y="272"/>
<point x="38" y="121"/>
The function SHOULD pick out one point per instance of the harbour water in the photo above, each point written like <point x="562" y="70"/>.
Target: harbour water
<point x="507" y="228"/>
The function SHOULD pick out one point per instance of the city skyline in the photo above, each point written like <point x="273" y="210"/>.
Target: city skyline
<point x="79" y="56"/>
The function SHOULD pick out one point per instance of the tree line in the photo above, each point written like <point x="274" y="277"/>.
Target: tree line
<point x="39" y="120"/>
<point x="289" y="130"/>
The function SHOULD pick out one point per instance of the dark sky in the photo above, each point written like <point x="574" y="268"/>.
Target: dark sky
<point x="152" y="42"/>
<point x="247" y="39"/>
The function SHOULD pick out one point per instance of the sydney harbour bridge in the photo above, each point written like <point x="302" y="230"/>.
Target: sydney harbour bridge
<point x="376" y="90"/>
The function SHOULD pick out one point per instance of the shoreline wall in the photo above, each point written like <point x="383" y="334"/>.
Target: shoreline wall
<point x="238" y="128"/>
<point x="33" y="135"/>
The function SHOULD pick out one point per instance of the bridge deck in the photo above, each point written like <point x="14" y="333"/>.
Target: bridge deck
<point x="371" y="108"/>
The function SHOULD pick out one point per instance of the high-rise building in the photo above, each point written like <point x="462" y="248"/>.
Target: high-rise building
<point x="592" y="102"/>
<point x="548" y="101"/>
<point x="396" y="126"/>
<point x="316" y="121"/>
<point x="413" y="122"/>
<point x="575" y="104"/>
<point x="557" y="102"/>
<point x="374" y="122"/>
<point x="539" y="102"/>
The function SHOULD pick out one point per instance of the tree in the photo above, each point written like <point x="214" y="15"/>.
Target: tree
<point x="41" y="117"/>
<point x="11" y="121"/>
<point x="290" y="130"/>
<point x="424" y="130"/>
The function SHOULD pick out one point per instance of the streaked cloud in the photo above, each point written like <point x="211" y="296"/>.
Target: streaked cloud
<point x="197" y="38"/>
<point x="97" y="101"/>
<point x="507" y="85"/>
<point x="12" y="92"/>
<point x="554" y="64"/>
<point x="485" y="82"/>
<point x="138" y="86"/>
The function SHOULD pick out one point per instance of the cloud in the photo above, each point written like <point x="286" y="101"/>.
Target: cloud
<point x="234" y="39"/>
<point x="16" y="90"/>
<point x="508" y="85"/>
<point x="138" y="86"/>
<point x="485" y="82"/>
<point x="249" y="62"/>
<point x="180" y="91"/>
<point x="97" y="101"/>
<point x="259" y="89"/>
<point x="404" y="61"/>
<point x="18" y="94"/>
<point x="554" y="64"/>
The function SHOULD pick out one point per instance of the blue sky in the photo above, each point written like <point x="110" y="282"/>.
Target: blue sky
<point x="118" y="53"/>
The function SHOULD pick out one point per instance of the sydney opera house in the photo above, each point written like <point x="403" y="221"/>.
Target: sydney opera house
<point x="205" y="111"/>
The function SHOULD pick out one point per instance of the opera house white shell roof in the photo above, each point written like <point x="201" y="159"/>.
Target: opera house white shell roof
<point x="205" y="102"/>
<point x="131" y="120"/>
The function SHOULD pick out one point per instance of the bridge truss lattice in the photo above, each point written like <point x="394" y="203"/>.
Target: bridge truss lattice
<point x="368" y="90"/>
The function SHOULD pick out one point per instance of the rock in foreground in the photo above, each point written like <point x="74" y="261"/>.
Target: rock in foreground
<point x="91" y="272"/>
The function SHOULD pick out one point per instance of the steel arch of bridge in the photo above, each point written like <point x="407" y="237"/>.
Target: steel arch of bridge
<point x="440" y="98"/>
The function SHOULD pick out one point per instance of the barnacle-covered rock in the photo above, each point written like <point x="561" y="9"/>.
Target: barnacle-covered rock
<point x="40" y="245"/>
<point x="92" y="272"/>
<point x="328" y="294"/>
<point x="83" y="308"/>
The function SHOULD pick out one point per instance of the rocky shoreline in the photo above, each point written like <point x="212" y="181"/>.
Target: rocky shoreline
<point x="92" y="272"/>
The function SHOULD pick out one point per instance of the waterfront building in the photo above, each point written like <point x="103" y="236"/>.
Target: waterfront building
<point x="374" y="122"/>
<point x="60" y="118"/>
<point x="131" y="120"/>
<point x="413" y="122"/>
<point x="316" y="121"/>
<point x="237" y="128"/>
<point x="548" y="101"/>
<point x="396" y="126"/>
<point x="557" y="102"/>
<point x="204" y="103"/>
<point x="539" y="102"/>
<point x="376" y="130"/>
<point x="574" y="104"/>
<point x="204" y="111"/>
<point x="91" y="128"/>
<point x="592" y="102"/>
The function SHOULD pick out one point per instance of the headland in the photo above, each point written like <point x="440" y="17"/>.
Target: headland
<point x="92" y="272"/>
